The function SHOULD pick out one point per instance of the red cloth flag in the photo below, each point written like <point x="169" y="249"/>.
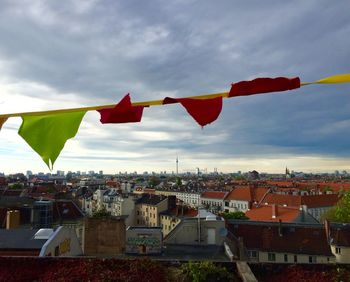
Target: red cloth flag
<point x="2" y="121"/>
<point x="123" y="112"/>
<point x="264" y="85"/>
<point x="204" y="111"/>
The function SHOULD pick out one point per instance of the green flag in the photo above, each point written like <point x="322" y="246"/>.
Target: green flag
<point x="47" y="134"/>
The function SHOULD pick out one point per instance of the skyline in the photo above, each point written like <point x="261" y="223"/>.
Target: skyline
<point x="85" y="53"/>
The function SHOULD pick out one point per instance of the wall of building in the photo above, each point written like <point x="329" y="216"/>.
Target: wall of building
<point x="165" y="193"/>
<point x="125" y="206"/>
<point x="301" y="258"/>
<point x="168" y="223"/>
<point x="235" y="205"/>
<point x="186" y="233"/>
<point x="213" y="204"/>
<point x="343" y="256"/>
<point x="103" y="236"/>
<point x="143" y="240"/>
<point x="63" y="242"/>
<point x="148" y="215"/>
<point x="191" y="199"/>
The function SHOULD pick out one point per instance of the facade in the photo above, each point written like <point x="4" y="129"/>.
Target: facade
<point x="169" y="219"/>
<point x="192" y="199"/>
<point x="213" y="200"/>
<point x="147" y="209"/>
<point x="104" y="236"/>
<point x="144" y="240"/>
<point x="191" y="231"/>
<point x="124" y="205"/>
<point x="340" y="242"/>
<point x="39" y="242"/>
<point x="280" y="242"/>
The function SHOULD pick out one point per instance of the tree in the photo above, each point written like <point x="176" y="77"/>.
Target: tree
<point x="206" y="271"/>
<point x="101" y="213"/>
<point x="234" y="215"/>
<point x="341" y="212"/>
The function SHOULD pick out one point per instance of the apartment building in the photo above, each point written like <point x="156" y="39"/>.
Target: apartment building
<point x="148" y="208"/>
<point x="213" y="200"/>
<point x="270" y="242"/>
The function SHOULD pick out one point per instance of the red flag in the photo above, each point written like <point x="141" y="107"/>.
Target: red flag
<point x="204" y="111"/>
<point x="2" y="121"/>
<point x="123" y="112"/>
<point x="263" y="85"/>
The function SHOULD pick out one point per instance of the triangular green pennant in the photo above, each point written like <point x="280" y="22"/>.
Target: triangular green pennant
<point x="47" y="134"/>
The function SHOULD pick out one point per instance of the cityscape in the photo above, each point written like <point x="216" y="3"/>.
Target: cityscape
<point x="193" y="216"/>
<point x="187" y="141"/>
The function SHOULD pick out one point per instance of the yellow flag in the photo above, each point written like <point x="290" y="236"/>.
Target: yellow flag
<point x="339" y="78"/>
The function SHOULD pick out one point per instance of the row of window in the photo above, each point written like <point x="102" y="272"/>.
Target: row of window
<point x="212" y="203"/>
<point x="272" y="257"/>
<point x="236" y="205"/>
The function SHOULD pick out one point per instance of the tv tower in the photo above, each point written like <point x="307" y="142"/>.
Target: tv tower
<point x="177" y="165"/>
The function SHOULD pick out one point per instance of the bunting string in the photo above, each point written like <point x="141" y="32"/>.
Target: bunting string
<point x="47" y="131"/>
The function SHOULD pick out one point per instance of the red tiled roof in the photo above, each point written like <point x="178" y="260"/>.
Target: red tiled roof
<point x="214" y="195"/>
<point x="66" y="210"/>
<point x="279" y="199"/>
<point x="264" y="213"/>
<point x="149" y="191"/>
<point x="314" y="201"/>
<point x="240" y="194"/>
<point x="281" y="183"/>
<point x="341" y="236"/>
<point x="293" y="239"/>
<point x="247" y="194"/>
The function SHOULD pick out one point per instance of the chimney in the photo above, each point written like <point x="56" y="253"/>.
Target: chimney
<point x="280" y="228"/>
<point x="274" y="210"/>
<point x="12" y="219"/>
<point x="171" y="202"/>
<point x="327" y="229"/>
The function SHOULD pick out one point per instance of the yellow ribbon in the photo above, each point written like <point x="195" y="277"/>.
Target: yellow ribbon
<point x="340" y="78"/>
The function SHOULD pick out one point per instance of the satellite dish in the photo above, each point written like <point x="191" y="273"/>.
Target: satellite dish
<point x="223" y="232"/>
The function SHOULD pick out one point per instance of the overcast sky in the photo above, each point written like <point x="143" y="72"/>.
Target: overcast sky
<point x="63" y="54"/>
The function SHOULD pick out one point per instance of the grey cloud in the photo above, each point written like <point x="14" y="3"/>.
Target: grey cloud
<point x="103" y="49"/>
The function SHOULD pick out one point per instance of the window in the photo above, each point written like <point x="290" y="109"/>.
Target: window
<point x="253" y="254"/>
<point x="57" y="251"/>
<point x="285" y="258"/>
<point x="312" y="259"/>
<point x="271" y="257"/>
<point x="295" y="258"/>
<point x="338" y="251"/>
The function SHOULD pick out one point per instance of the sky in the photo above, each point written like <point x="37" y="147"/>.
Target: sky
<point x="65" y="54"/>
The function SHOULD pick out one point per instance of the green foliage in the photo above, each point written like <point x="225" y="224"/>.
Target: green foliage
<point x="178" y="181"/>
<point x="101" y="213"/>
<point x="16" y="186"/>
<point x="341" y="212"/>
<point x="153" y="181"/>
<point x="205" y="271"/>
<point x="239" y="177"/>
<point x="234" y="215"/>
